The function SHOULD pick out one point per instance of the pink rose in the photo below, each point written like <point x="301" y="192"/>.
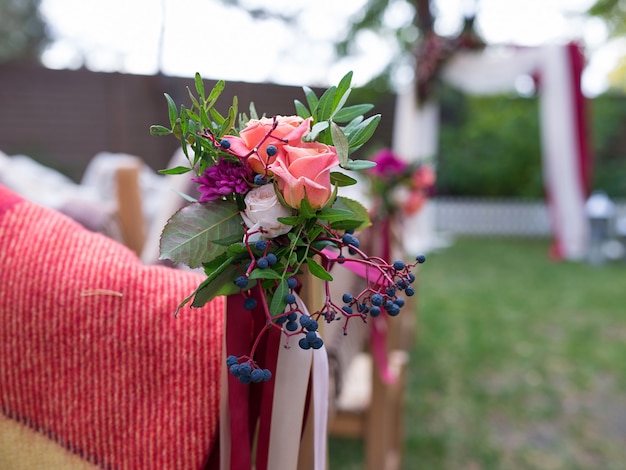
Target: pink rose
<point x="288" y="128"/>
<point x="303" y="172"/>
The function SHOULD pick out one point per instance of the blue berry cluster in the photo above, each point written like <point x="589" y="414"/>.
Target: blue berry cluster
<point x="350" y="241"/>
<point x="386" y="299"/>
<point x="247" y="372"/>
<point x="311" y="339"/>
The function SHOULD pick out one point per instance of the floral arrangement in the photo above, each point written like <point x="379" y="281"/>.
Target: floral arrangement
<point x="269" y="208"/>
<point x="396" y="185"/>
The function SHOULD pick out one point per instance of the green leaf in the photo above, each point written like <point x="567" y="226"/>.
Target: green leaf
<point x="278" y="299"/>
<point x="221" y="284"/>
<point x="306" y="210"/>
<point x="340" y="179"/>
<point x="317" y="270"/>
<point x="171" y="108"/>
<point x="291" y="220"/>
<point x="199" y="86"/>
<point x="325" y="106"/>
<point x="316" y="129"/>
<point x="228" y="241"/>
<point x="237" y="249"/>
<point x="217" y="117"/>
<point x="311" y="99"/>
<point x="160" y="130"/>
<point x="361" y="215"/>
<point x="179" y="170"/>
<point x="349" y="113"/>
<point x="343" y="90"/>
<point x="335" y="215"/>
<point x="363" y="132"/>
<point x="358" y="165"/>
<point x="301" y="109"/>
<point x="264" y="274"/>
<point x="352" y="125"/>
<point x="340" y="142"/>
<point x="340" y="103"/>
<point x="215" y="93"/>
<point x="231" y="119"/>
<point x="189" y="235"/>
<point x="253" y="113"/>
<point x="193" y="99"/>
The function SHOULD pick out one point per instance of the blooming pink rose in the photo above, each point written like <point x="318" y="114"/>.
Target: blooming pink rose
<point x="303" y="172"/>
<point x="288" y="128"/>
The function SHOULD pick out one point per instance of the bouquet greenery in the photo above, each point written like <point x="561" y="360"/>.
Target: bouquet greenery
<point x="269" y="207"/>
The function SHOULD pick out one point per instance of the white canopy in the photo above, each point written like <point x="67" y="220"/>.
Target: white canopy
<point x="566" y="159"/>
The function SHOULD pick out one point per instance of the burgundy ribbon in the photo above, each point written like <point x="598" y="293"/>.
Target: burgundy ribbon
<point x="250" y="404"/>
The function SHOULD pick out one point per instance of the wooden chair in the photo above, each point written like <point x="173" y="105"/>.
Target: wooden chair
<point x="368" y="407"/>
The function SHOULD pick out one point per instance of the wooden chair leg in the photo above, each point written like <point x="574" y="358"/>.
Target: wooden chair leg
<point x="129" y="203"/>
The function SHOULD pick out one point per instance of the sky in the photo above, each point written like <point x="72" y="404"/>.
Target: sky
<point x="181" y="37"/>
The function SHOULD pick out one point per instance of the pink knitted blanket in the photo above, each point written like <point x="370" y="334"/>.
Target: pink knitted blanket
<point x="91" y="355"/>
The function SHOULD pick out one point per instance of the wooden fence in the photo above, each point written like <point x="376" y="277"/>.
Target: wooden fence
<point x="62" y="118"/>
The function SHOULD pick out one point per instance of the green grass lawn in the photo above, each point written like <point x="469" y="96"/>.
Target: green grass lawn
<point x="519" y="363"/>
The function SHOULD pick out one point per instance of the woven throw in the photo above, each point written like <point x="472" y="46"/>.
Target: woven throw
<point x="92" y="358"/>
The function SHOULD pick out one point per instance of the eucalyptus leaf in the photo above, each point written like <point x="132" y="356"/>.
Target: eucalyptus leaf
<point x="350" y="112"/>
<point x="178" y="170"/>
<point x="190" y="233"/>
<point x="171" y="108"/>
<point x="353" y="125"/>
<point x="199" y="86"/>
<point x="340" y="142"/>
<point x="325" y="106"/>
<point x="215" y="93"/>
<point x="159" y="130"/>
<point x="301" y="109"/>
<point x="343" y="90"/>
<point x="363" y="132"/>
<point x="193" y="99"/>
<point x="217" y="117"/>
<point x="253" y="112"/>
<point x="340" y="103"/>
<point x="311" y="98"/>
<point x="359" y="165"/>
<point x="316" y="129"/>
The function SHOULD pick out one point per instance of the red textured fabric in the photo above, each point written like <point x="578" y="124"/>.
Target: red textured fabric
<point x="90" y="352"/>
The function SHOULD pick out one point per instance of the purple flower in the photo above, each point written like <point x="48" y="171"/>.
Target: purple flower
<point x="387" y="163"/>
<point x="227" y="177"/>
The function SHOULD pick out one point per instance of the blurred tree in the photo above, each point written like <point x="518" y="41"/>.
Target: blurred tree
<point x="613" y="12"/>
<point x="489" y="146"/>
<point x="406" y="26"/>
<point x="22" y="30"/>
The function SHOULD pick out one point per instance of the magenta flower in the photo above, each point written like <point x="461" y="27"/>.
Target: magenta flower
<point x="387" y="163"/>
<point x="227" y="177"/>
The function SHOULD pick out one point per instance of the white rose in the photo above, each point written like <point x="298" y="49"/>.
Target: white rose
<point x="263" y="210"/>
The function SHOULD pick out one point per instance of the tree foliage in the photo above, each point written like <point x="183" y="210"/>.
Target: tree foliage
<point x="22" y="30"/>
<point x="489" y="146"/>
<point x="613" y="12"/>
